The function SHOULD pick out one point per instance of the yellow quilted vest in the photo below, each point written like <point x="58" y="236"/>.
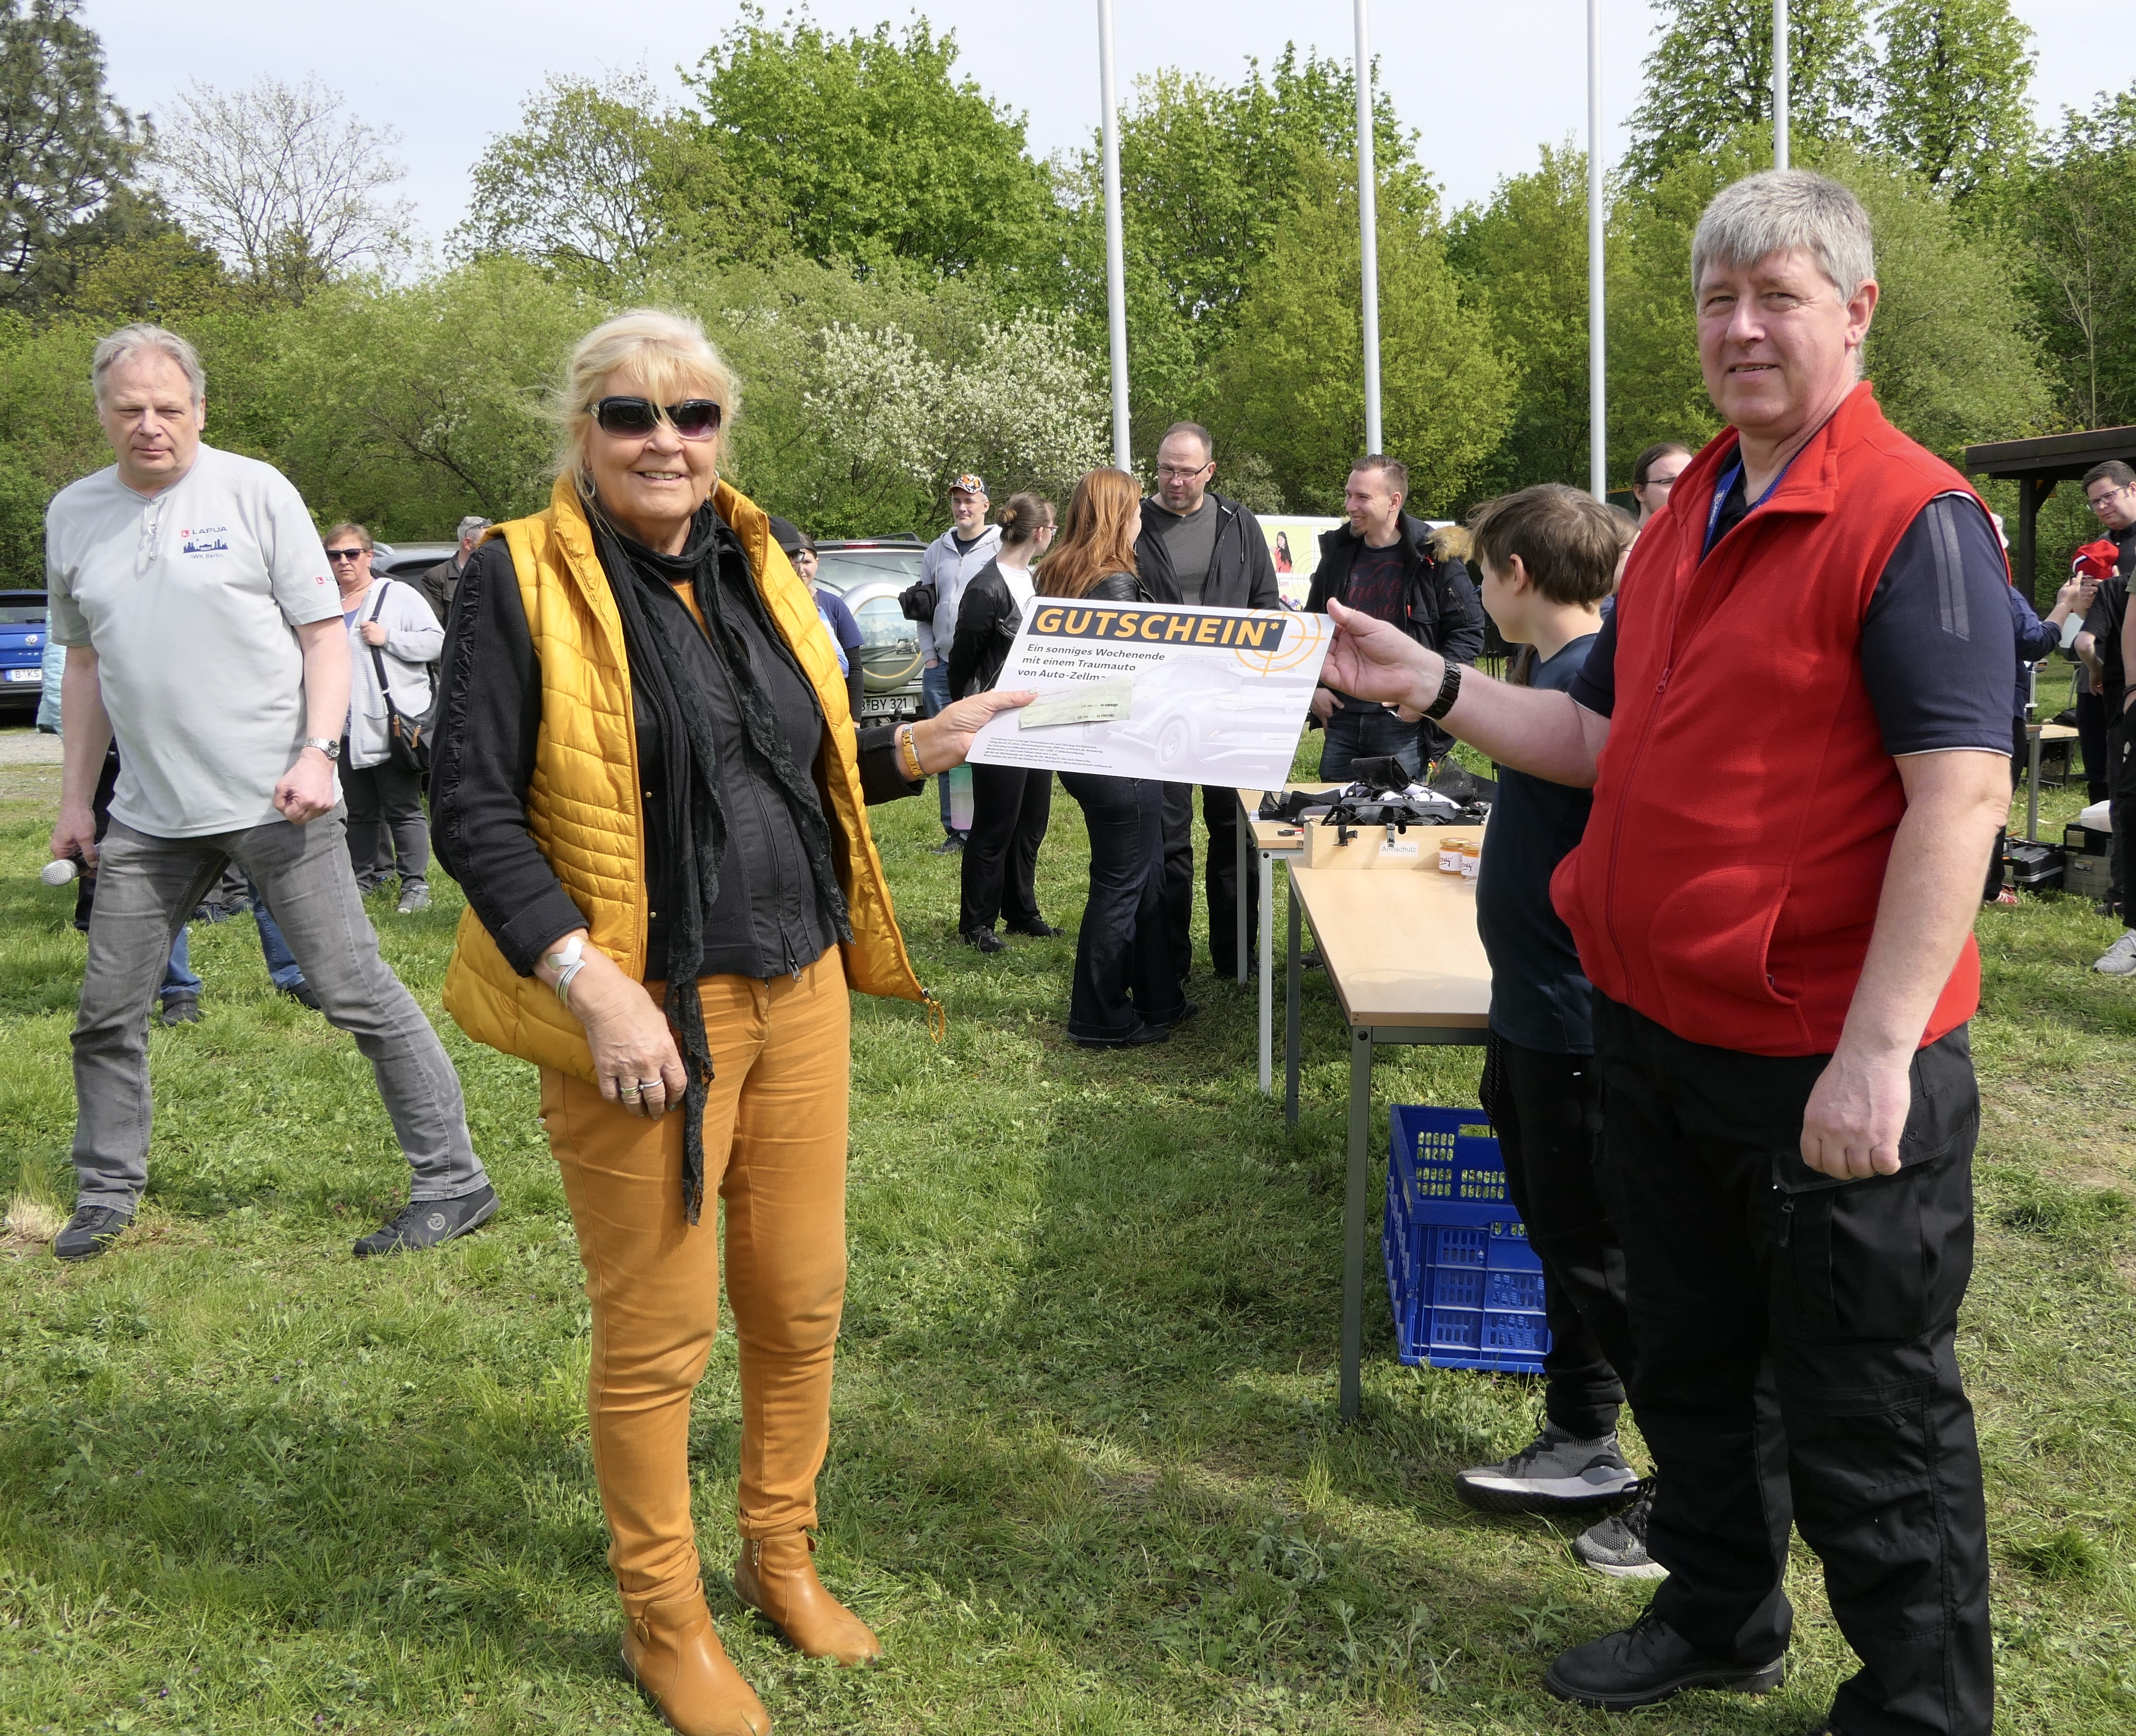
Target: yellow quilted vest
<point x="583" y="805"/>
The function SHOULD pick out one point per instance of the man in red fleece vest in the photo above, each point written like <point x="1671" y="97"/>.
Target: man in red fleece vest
<point x="1796" y="726"/>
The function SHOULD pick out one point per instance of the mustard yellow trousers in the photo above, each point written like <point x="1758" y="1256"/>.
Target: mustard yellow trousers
<point x="775" y="1154"/>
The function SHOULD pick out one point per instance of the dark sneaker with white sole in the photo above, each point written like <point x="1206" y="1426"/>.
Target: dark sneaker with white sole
<point x="1647" y="1663"/>
<point x="1617" y="1546"/>
<point x="90" y="1231"/>
<point x="1554" y="1473"/>
<point x="426" y="1223"/>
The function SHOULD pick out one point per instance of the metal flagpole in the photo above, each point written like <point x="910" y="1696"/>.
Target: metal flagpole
<point x="1598" y="419"/>
<point x="1368" y="233"/>
<point x="1779" y="83"/>
<point x="1116" y="274"/>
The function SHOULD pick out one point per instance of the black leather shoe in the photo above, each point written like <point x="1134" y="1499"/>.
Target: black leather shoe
<point x="302" y="993"/>
<point x="985" y="940"/>
<point x="1648" y="1662"/>
<point x="1036" y="930"/>
<point x="426" y="1223"/>
<point x="180" y="1010"/>
<point x="90" y="1231"/>
<point x="1185" y="1013"/>
<point x="1140" y="1037"/>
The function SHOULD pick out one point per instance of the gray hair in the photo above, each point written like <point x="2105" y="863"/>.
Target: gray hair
<point x="472" y="526"/>
<point x="129" y="340"/>
<point x="1786" y="210"/>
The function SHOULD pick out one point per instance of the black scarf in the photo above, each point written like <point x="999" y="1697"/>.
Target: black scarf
<point x="696" y="818"/>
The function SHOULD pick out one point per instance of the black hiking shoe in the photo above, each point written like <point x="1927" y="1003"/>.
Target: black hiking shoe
<point x="427" y="1223"/>
<point x="984" y="940"/>
<point x="90" y="1231"/>
<point x="1647" y="1663"/>
<point x="180" y="1010"/>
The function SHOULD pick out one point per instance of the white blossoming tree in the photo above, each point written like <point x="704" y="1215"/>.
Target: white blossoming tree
<point x="1015" y="402"/>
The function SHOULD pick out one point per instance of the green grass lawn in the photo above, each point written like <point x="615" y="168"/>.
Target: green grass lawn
<point x="1085" y="1474"/>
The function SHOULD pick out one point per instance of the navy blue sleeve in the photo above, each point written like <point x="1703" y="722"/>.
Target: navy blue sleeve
<point x="2035" y="637"/>
<point x="1938" y="645"/>
<point x="1594" y="688"/>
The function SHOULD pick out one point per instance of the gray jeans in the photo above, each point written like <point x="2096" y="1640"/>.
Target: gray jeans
<point x="146" y="887"/>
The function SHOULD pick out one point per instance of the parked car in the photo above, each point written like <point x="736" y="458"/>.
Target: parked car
<point x="870" y="571"/>
<point x="23" y="635"/>
<point x="408" y="561"/>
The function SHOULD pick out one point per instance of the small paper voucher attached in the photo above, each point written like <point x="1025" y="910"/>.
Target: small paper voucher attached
<point x="1170" y="691"/>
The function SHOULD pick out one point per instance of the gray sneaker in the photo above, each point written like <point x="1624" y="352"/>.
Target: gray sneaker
<point x="427" y="1223"/>
<point x="1617" y="1546"/>
<point x="2119" y="960"/>
<point x="414" y="896"/>
<point x="1554" y="1473"/>
<point x="90" y="1231"/>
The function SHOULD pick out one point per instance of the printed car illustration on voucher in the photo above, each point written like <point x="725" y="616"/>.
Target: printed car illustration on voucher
<point x="23" y="635"/>
<point x="869" y="572"/>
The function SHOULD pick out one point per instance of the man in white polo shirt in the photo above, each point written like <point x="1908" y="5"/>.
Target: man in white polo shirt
<point x="203" y="630"/>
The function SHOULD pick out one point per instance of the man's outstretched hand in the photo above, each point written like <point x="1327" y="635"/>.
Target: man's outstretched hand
<point x="1374" y="660"/>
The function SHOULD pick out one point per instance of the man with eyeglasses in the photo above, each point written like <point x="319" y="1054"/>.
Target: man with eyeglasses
<point x="2102" y="648"/>
<point x="1196" y="547"/>
<point x="204" y="632"/>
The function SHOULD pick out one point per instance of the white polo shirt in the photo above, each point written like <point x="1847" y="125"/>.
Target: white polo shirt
<point x="190" y="598"/>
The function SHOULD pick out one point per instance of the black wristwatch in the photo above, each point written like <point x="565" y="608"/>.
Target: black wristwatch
<point x="1450" y="690"/>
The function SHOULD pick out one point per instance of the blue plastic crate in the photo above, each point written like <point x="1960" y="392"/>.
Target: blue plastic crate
<point x="1446" y="1155"/>
<point x="1465" y="1287"/>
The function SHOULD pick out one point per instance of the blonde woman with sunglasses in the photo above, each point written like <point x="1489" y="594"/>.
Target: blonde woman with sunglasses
<point x="649" y="786"/>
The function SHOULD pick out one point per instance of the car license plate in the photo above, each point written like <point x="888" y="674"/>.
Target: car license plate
<point x="25" y="675"/>
<point x="879" y="708"/>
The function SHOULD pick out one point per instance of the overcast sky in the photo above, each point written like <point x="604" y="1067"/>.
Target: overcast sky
<point x="1483" y="85"/>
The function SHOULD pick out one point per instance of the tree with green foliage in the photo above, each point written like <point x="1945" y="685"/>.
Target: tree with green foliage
<point x="1950" y="91"/>
<point x="1208" y="173"/>
<point x="1288" y="386"/>
<point x="873" y="150"/>
<point x="602" y="178"/>
<point x="2072" y="222"/>
<point x="1523" y="257"/>
<point x="1951" y="350"/>
<point x="1710" y="75"/>
<point x="66" y="152"/>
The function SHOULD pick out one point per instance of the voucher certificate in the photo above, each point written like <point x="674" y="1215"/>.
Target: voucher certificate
<point x="1172" y="691"/>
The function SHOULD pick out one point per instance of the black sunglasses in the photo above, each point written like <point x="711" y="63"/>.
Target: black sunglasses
<point x="695" y="419"/>
<point x="345" y="554"/>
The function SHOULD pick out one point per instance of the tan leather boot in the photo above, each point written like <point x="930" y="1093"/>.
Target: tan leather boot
<point x="677" y="1659"/>
<point x="776" y="1578"/>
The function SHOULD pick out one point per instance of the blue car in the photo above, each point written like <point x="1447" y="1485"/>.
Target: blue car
<point x="23" y="635"/>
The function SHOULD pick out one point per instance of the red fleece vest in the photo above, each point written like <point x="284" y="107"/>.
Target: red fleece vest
<point x="1744" y="805"/>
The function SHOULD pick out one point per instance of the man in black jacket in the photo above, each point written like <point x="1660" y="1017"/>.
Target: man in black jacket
<point x="1196" y="547"/>
<point x="1382" y="562"/>
<point x="439" y="582"/>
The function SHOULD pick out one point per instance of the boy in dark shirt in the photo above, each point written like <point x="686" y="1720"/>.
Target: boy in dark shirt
<point x="1548" y="556"/>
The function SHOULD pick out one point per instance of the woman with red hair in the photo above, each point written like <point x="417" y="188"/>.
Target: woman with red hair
<point x="1126" y="991"/>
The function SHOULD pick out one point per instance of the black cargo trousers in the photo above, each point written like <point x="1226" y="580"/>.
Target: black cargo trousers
<point x="1735" y="1251"/>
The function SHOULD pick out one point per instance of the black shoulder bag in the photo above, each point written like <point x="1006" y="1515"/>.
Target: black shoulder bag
<point x="407" y="744"/>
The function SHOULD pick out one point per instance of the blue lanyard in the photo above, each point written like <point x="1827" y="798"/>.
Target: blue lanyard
<point x="1720" y="497"/>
